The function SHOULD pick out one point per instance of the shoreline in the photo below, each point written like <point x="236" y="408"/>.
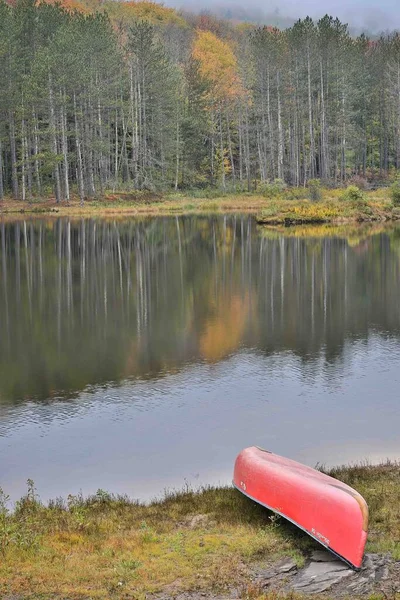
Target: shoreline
<point x="125" y="206"/>
<point x="278" y="211"/>
<point x="211" y="543"/>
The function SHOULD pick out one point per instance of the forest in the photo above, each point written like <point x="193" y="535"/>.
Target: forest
<point x="98" y="96"/>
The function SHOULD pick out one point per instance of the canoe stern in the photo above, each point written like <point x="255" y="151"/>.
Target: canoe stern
<point x="330" y="511"/>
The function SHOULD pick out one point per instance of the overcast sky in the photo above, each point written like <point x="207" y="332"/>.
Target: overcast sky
<point x="375" y="15"/>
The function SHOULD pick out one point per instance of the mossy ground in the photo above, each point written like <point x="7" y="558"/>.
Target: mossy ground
<point x="206" y="541"/>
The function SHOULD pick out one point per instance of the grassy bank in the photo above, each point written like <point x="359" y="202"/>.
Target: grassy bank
<point x="109" y="547"/>
<point x="131" y="204"/>
<point x="367" y="208"/>
<point x="289" y="207"/>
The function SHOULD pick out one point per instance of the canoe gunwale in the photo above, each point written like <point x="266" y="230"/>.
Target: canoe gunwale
<point x="339" y="556"/>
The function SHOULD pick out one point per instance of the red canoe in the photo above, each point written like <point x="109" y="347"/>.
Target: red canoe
<point x="330" y="511"/>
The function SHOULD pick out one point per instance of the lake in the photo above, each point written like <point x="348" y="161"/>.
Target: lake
<point x="143" y="355"/>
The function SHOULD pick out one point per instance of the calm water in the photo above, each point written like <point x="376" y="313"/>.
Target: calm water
<point x="138" y="355"/>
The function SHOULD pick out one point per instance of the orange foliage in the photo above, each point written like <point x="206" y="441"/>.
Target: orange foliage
<point x="218" y="66"/>
<point x="209" y="23"/>
<point x="271" y="29"/>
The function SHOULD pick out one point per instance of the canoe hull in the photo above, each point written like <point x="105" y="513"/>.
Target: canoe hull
<point x="330" y="511"/>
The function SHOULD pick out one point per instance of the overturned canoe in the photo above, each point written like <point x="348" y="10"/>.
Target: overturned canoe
<point x="330" y="511"/>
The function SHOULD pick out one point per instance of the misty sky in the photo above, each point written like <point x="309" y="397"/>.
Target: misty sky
<point x="375" y="15"/>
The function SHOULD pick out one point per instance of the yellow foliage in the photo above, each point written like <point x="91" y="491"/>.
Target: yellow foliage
<point x="144" y="11"/>
<point x="218" y="66"/>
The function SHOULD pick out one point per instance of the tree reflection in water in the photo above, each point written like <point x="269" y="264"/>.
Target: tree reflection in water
<point x="97" y="301"/>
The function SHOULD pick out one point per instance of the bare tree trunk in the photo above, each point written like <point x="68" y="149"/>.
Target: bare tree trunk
<point x="177" y="149"/>
<point x="116" y="155"/>
<point x="23" y="161"/>
<point x="56" y="171"/>
<point x="270" y="129"/>
<point x="221" y="141"/>
<point x="310" y="119"/>
<point x="1" y="172"/>
<point x="14" y="171"/>
<point x="134" y="119"/>
<point x="228" y="130"/>
<point x="36" y="153"/>
<point x="65" y="147"/>
<point x="324" y="140"/>
<point x="280" y="130"/>
<point x="79" y="156"/>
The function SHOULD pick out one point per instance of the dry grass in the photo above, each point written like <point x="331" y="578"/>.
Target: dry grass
<point x="125" y="204"/>
<point x="110" y="547"/>
<point x="106" y="545"/>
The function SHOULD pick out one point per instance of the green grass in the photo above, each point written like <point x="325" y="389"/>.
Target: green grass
<point x="107" y="546"/>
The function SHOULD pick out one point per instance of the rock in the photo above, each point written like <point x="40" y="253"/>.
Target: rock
<point x="320" y="576"/>
<point x="286" y="565"/>
<point x="276" y="572"/>
<point x="325" y="572"/>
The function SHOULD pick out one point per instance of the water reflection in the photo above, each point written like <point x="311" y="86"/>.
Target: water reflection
<point x="98" y="301"/>
<point x="208" y="326"/>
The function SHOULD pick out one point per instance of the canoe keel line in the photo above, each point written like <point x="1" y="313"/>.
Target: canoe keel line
<point x="331" y="512"/>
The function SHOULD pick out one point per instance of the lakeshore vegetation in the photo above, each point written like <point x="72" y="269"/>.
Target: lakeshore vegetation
<point x="98" y="96"/>
<point x="291" y="206"/>
<point x="106" y="546"/>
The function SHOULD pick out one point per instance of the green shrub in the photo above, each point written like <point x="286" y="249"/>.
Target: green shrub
<point x="273" y="189"/>
<point x="314" y="190"/>
<point x="296" y="193"/>
<point x="354" y="194"/>
<point x="395" y="193"/>
<point x="205" y="192"/>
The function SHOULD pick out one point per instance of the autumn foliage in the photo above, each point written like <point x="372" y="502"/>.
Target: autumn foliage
<point x="218" y="66"/>
<point x="128" y="12"/>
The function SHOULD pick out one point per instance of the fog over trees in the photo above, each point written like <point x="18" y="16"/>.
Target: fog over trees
<point x="138" y="96"/>
<point x="361" y="15"/>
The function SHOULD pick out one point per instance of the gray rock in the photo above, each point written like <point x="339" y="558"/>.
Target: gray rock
<point x="320" y="576"/>
<point x="324" y="572"/>
<point x="276" y="572"/>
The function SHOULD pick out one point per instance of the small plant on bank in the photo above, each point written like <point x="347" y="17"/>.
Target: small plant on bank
<point x="395" y="193"/>
<point x="6" y="529"/>
<point x="357" y="200"/>
<point x="314" y="190"/>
